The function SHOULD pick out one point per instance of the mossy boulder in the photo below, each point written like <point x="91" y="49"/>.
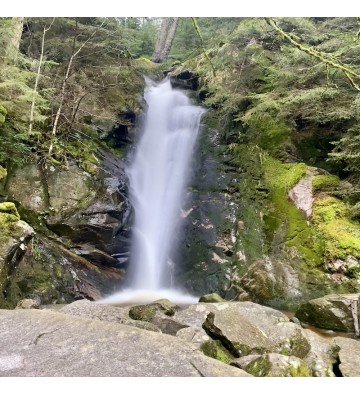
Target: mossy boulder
<point x="329" y="312"/>
<point x="341" y="235"/>
<point x="325" y="182"/>
<point x="50" y="272"/>
<point x="215" y="349"/>
<point x="277" y="365"/>
<point x="211" y="298"/>
<point x="142" y="313"/>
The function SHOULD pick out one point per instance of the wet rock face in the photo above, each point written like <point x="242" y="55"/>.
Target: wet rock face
<point x="185" y="79"/>
<point x="207" y="223"/>
<point x="92" y="216"/>
<point x="100" y="226"/>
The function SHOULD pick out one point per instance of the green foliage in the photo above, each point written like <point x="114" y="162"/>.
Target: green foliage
<point x="347" y="151"/>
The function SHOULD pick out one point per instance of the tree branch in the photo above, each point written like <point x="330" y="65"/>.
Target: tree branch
<point x="348" y="72"/>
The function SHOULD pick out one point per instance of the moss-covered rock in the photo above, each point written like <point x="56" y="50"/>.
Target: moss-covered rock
<point x="142" y="313"/>
<point x="329" y="312"/>
<point x="276" y="365"/>
<point x="8" y="212"/>
<point x="325" y="182"/>
<point x="214" y="349"/>
<point x="341" y="235"/>
<point x="211" y="298"/>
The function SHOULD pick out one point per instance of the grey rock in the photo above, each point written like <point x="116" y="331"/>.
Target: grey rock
<point x="97" y="311"/>
<point x="349" y="356"/>
<point x="28" y="304"/>
<point x="322" y="354"/>
<point x="55" y="344"/>
<point x="243" y="322"/>
<point x="193" y="335"/>
<point x="168" y="325"/>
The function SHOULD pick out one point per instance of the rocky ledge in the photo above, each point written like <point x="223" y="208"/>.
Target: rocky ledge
<point x="161" y="339"/>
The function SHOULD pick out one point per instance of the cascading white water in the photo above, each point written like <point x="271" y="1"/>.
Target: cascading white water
<point x="158" y="178"/>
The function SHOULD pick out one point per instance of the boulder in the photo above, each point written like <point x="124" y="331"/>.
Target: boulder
<point x="26" y="186"/>
<point x="274" y="365"/>
<point x="193" y="335"/>
<point x="349" y="356"/>
<point x="55" y="344"/>
<point x="185" y="79"/>
<point x="245" y="327"/>
<point x="15" y="238"/>
<point x="329" y="312"/>
<point x="49" y="271"/>
<point x="322" y="355"/>
<point x="28" y="304"/>
<point x="211" y="298"/>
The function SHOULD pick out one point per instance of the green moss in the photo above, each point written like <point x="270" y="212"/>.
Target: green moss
<point x="9" y="209"/>
<point x="325" y="182"/>
<point x="142" y="313"/>
<point x="3" y="173"/>
<point x="299" y="345"/>
<point x="341" y="235"/>
<point x="283" y="176"/>
<point x="214" y="349"/>
<point x="284" y="222"/>
<point x="328" y="209"/>
<point x="8" y="220"/>
<point x="3" y="113"/>
<point x="300" y="371"/>
<point x="260" y="367"/>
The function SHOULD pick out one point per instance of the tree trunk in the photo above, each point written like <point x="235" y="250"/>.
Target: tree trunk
<point x="18" y="29"/>
<point x="170" y="38"/>
<point x="38" y="76"/>
<point x="164" y="40"/>
<point x="14" y="43"/>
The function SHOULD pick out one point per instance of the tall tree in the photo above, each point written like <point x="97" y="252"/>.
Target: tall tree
<point x="46" y="28"/>
<point x="165" y="39"/>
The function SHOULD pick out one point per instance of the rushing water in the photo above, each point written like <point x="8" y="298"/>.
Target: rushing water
<point x="158" y="177"/>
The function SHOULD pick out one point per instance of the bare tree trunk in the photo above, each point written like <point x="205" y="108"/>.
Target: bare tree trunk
<point x="170" y="38"/>
<point x="161" y="39"/>
<point x="18" y="29"/>
<point x="38" y="76"/>
<point x="15" y="37"/>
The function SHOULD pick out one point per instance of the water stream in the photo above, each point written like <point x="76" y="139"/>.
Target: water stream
<point x="158" y="177"/>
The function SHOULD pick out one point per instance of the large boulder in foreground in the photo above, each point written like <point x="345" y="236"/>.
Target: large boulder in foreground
<point x="349" y="356"/>
<point x="335" y="312"/>
<point x="246" y="328"/>
<point x="54" y="344"/>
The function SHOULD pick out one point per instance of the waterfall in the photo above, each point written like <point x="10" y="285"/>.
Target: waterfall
<point x="158" y="177"/>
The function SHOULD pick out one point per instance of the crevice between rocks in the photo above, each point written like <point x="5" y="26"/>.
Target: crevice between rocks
<point x="336" y="367"/>
<point x="215" y="333"/>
